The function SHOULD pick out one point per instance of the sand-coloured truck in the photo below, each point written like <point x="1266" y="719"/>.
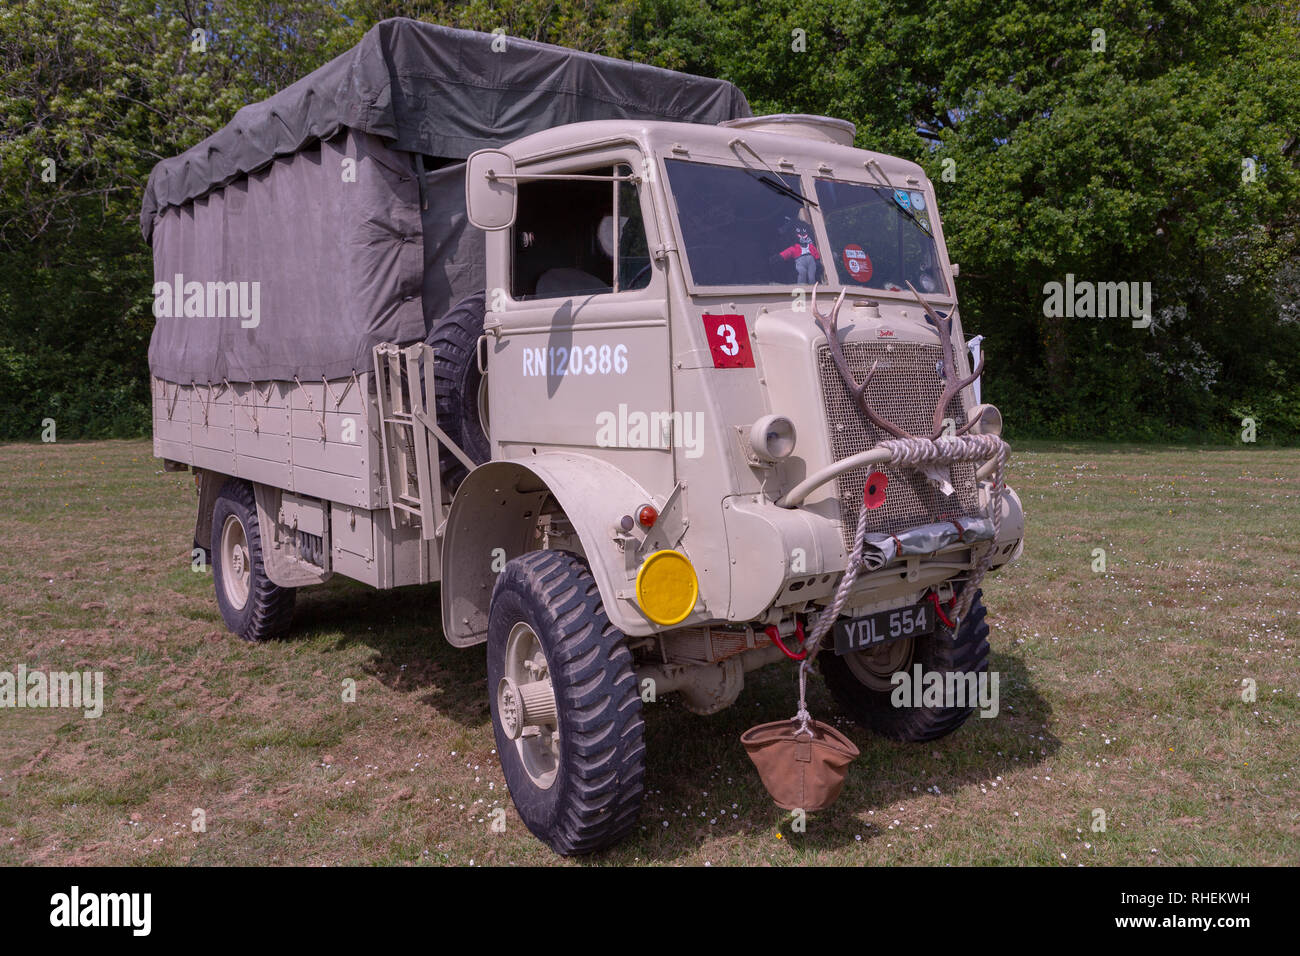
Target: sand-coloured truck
<point x="623" y="367"/>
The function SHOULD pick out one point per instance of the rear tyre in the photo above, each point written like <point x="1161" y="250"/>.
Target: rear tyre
<point x="860" y="681"/>
<point x="458" y="386"/>
<point x="252" y="606"/>
<point x="565" y="707"/>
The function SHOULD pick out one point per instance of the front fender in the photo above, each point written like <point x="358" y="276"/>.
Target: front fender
<point x="493" y="519"/>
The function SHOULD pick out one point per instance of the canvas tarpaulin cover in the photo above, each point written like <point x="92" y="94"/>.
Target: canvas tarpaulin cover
<point x="345" y="257"/>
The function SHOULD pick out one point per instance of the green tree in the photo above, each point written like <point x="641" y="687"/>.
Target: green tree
<point x="1114" y="162"/>
<point x="1169" y="156"/>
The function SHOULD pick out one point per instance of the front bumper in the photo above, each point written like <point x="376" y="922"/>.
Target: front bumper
<point x="793" y="559"/>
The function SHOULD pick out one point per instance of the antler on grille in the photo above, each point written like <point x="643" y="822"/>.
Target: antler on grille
<point x="829" y="324"/>
<point x="952" y="386"/>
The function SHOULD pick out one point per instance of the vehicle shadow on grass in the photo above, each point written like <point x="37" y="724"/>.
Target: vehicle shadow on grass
<point x="403" y="626"/>
<point x="698" y="762"/>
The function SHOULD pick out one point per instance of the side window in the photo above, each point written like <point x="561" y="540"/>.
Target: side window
<point x="579" y="237"/>
<point x="633" y="248"/>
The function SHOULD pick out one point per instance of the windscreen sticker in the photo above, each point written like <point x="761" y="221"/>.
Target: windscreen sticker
<point x="902" y="198"/>
<point x="728" y="341"/>
<point x="918" y="202"/>
<point x="857" y="263"/>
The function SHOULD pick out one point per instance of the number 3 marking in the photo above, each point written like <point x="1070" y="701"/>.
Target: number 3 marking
<point x="728" y="340"/>
<point x="729" y="344"/>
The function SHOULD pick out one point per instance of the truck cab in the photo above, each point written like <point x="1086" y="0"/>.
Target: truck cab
<point x="650" y="323"/>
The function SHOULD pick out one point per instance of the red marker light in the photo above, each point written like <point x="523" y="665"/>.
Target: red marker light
<point x="647" y="516"/>
<point x="874" y="493"/>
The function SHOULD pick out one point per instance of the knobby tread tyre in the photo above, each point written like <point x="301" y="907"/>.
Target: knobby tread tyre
<point x="596" y="797"/>
<point x="456" y="381"/>
<point x="873" y="709"/>
<point x="268" y="612"/>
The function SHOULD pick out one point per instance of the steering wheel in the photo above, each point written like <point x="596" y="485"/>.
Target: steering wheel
<point x="636" y="279"/>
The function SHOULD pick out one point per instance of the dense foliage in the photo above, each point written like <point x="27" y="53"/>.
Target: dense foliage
<point x="1164" y="151"/>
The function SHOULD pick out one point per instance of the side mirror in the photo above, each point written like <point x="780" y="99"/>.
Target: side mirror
<point x="956" y="270"/>
<point x="490" y="191"/>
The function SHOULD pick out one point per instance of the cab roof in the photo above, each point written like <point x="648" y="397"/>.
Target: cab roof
<point x="712" y="142"/>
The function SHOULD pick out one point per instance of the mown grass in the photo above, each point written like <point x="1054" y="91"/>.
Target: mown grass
<point x="1120" y="691"/>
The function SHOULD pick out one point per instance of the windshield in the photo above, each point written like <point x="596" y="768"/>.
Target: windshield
<point x="881" y="238"/>
<point x="744" y="226"/>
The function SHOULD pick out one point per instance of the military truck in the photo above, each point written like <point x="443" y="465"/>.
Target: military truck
<point x="556" y="332"/>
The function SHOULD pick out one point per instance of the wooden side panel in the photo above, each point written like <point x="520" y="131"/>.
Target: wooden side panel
<point x="171" y="415"/>
<point x="277" y="474"/>
<point x="212" y="418"/>
<point x="335" y="442"/>
<point x="312" y="438"/>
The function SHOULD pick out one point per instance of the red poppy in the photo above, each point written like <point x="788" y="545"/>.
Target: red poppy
<point x="874" y="493"/>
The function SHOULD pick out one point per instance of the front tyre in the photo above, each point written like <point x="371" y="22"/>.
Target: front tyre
<point x="565" y="709"/>
<point x="860" y="681"/>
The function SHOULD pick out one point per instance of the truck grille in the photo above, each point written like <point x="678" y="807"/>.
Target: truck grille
<point x="905" y="390"/>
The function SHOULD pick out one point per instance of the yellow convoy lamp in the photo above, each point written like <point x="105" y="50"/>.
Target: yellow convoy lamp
<point x="666" y="587"/>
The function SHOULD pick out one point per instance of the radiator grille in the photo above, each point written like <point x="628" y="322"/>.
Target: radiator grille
<point x="905" y="390"/>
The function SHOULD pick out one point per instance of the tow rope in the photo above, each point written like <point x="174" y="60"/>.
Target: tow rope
<point x="803" y="767"/>
<point x="915" y="453"/>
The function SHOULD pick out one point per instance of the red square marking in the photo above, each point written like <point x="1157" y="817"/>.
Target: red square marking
<point x="728" y="341"/>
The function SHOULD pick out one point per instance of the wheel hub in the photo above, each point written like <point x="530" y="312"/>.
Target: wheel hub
<point x="876" y="668"/>
<point x="526" y="708"/>
<point x="236" y="563"/>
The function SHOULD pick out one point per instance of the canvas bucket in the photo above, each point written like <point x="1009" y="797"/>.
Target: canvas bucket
<point x="800" y="771"/>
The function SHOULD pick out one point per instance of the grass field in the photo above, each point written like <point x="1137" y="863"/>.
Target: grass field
<point x="1121" y="691"/>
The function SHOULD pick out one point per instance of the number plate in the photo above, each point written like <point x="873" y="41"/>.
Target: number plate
<point x="864" y="633"/>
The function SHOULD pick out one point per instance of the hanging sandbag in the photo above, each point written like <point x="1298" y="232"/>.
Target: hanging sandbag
<point x="802" y="770"/>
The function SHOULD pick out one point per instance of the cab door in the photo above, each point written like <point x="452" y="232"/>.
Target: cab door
<point x="579" y="361"/>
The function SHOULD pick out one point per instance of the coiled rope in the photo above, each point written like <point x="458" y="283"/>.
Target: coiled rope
<point x="913" y="453"/>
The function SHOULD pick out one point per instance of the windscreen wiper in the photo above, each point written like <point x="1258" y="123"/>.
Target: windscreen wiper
<point x="911" y="215"/>
<point x="893" y="193"/>
<point x="783" y="188"/>
<point x="773" y="181"/>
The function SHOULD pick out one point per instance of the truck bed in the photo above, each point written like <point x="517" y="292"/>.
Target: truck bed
<point x="293" y="438"/>
<point x="284" y="434"/>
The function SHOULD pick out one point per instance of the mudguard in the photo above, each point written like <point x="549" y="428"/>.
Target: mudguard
<point x="492" y="520"/>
